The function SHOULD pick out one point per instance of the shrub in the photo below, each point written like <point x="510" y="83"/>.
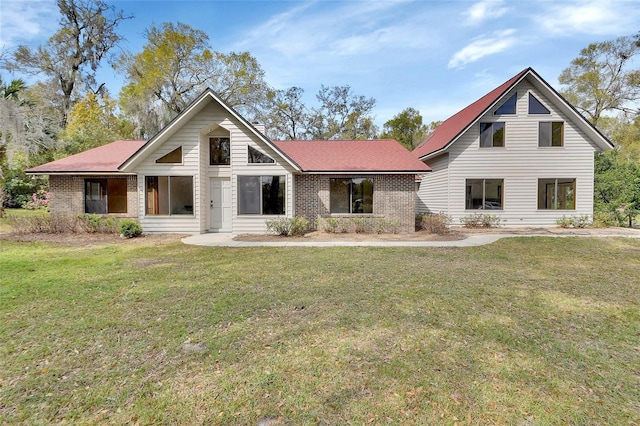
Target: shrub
<point x="480" y="220"/>
<point x="435" y="223"/>
<point x="327" y="224"/>
<point x="93" y="223"/>
<point x="287" y="226"/>
<point x="42" y="224"/>
<point x="19" y="188"/>
<point x="39" y="201"/>
<point x="360" y="224"/>
<point x="129" y="228"/>
<point x="573" y="221"/>
<point x="604" y="219"/>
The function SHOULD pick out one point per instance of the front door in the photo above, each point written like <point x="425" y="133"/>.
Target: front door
<point x="220" y="205"/>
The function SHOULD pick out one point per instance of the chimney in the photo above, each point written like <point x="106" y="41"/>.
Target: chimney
<point x="259" y="127"/>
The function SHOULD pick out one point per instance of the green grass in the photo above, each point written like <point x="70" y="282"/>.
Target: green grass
<point x="523" y="331"/>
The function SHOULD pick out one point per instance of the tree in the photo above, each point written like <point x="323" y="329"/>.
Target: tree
<point x="27" y="125"/>
<point x="342" y="115"/>
<point x="176" y="65"/>
<point x="616" y="188"/>
<point x="602" y="79"/>
<point x="287" y="115"/>
<point x="92" y="123"/>
<point x="72" y="55"/>
<point x="405" y="127"/>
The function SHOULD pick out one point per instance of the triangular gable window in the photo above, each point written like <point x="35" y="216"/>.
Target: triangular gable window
<point x="509" y="107"/>
<point x="174" y="157"/>
<point x="536" y="107"/>
<point x="256" y="156"/>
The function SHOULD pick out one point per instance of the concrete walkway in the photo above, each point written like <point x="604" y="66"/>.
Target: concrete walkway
<point x="226" y="240"/>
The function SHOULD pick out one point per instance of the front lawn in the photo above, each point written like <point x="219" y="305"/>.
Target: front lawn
<point x="524" y="331"/>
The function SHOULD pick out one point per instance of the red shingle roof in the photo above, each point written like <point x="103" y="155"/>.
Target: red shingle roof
<point x="106" y="158"/>
<point x="384" y="155"/>
<point x="453" y="126"/>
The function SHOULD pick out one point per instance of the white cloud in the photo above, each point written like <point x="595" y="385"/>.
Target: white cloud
<point x="23" y="21"/>
<point x="483" y="10"/>
<point x="594" y="17"/>
<point x="481" y="47"/>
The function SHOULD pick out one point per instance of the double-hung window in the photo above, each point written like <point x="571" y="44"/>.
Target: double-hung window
<point x="484" y="194"/>
<point x="261" y="195"/>
<point x="491" y="134"/>
<point x="351" y="195"/>
<point x="556" y="194"/>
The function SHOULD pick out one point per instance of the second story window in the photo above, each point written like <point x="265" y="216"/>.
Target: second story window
<point x="491" y="134"/>
<point x="219" y="151"/>
<point x="551" y="133"/>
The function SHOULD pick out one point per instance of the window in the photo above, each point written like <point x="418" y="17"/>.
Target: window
<point x="536" y="107"/>
<point x="484" y="194"/>
<point x="174" y="157"/>
<point x="351" y="195"/>
<point x="256" y="156"/>
<point x="102" y="196"/>
<point x="169" y="195"/>
<point x="219" y="151"/>
<point x="551" y="133"/>
<point x="557" y="194"/>
<point x="509" y="107"/>
<point x="261" y="195"/>
<point x="491" y="134"/>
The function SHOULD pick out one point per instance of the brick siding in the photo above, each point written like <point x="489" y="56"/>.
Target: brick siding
<point x="67" y="194"/>
<point x="393" y="197"/>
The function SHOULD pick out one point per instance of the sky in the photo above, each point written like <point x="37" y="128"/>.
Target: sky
<point x="434" y="56"/>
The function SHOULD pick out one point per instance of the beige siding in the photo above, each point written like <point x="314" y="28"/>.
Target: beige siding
<point x="433" y="193"/>
<point x="521" y="163"/>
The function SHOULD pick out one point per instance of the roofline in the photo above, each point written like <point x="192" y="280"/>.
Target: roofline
<point x="473" y="122"/>
<point x="56" y="173"/>
<point x="363" y="172"/>
<point x="193" y="104"/>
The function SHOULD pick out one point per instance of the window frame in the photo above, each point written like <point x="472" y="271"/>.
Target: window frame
<point x="507" y="102"/>
<point x="554" y="202"/>
<point x="492" y="124"/>
<point x="468" y="195"/>
<point x="159" y="160"/>
<point x="103" y="188"/>
<point x="550" y="133"/>
<point x="282" y="195"/>
<point x="258" y="153"/>
<point x="532" y="96"/>
<point x="211" y="151"/>
<point x="367" y="208"/>
<point x="170" y="207"/>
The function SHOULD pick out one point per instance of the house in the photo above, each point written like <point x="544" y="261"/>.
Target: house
<point x="521" y="153"/>
<point x="210" y="170"/>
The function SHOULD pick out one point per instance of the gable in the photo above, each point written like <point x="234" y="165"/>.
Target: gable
<point x="455" y="126"/>
<point x="224" y="116"/>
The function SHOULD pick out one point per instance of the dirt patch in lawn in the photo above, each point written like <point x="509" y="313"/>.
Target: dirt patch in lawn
<point x="90" y="240"/>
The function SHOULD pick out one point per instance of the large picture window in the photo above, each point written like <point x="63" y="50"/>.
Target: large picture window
<point x="261" y="195"/>
<point x="102" y="196"/>
<point x="551" y="133"/>
<point x="351" y="195"/>
<point x="484" y="194"/>
<point x="491" y="134"/>
<point x="219" y="151"/>
<point x="557" y="194"/>
<point x="169" y="195"/>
